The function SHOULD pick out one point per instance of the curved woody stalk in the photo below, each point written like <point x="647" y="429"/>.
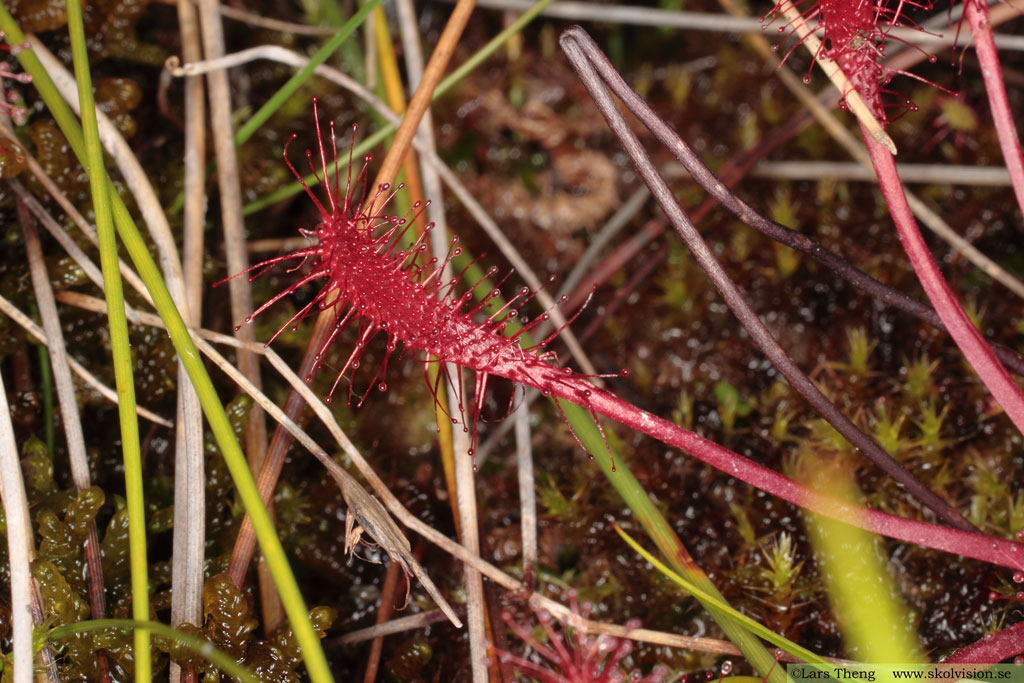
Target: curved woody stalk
<point x="381" y="287"/>
<point x="854" y="37"/>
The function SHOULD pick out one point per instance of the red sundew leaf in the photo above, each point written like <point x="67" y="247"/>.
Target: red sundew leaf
<point x="376" y="286"/>
<point x="855" y="36"/>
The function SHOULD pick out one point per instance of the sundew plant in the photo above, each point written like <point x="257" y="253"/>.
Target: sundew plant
<point x="638" y="341"/>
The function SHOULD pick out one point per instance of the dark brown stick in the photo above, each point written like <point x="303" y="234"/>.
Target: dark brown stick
<point x="588" y="60"/>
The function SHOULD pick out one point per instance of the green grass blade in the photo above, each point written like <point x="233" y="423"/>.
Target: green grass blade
<point x="315" y="660"/>
<point x="119" y="342"/>
<point x="201" y="647"/>
<point x="303" y="74"/>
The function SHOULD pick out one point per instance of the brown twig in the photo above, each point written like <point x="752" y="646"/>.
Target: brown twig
<point x="384" y="611"/>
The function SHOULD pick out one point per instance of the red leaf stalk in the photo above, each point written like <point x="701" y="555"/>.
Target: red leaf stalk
<point x="974" y="347"/>
<point x="994" y="647"/>
<point x="854" y="35"/>
<point x="992" y="74"/>
<point x="383" y="288"/>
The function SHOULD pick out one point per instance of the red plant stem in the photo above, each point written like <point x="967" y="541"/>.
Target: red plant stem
<point x="967" y="543"/>
<point x="994" y="647"/>
<point x="974" y="347"/>
<point x="588" y="60"/>
<point x="992" y="75"/>
<point x="270" y="471"/>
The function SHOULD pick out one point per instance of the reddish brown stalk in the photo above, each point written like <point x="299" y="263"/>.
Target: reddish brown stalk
<point x="992" y="74"/>
<point x="384" y="611"/>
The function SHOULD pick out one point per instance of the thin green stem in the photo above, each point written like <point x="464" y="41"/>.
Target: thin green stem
<point x="303" y="74"/>
<point x="119" y="342"/>
<point x="316" y="662"/>
<point x="297" y="80"/>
